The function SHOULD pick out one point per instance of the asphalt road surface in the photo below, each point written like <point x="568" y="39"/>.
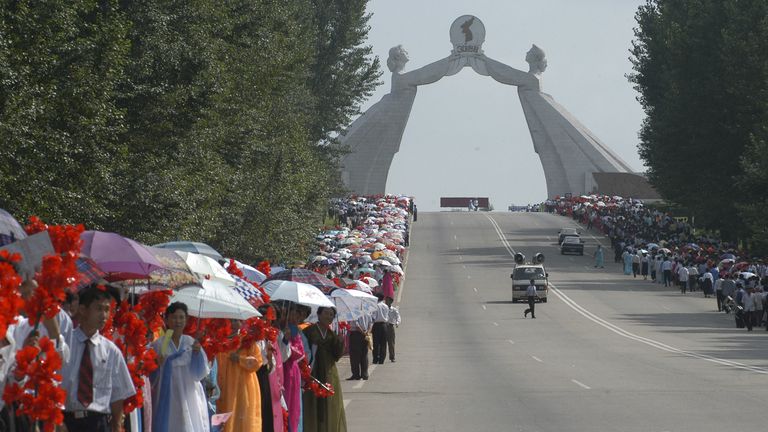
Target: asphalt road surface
<point x="606" y="353"/>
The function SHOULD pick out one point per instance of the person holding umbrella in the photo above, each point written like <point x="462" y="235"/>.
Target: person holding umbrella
<point x="325" y="414"/>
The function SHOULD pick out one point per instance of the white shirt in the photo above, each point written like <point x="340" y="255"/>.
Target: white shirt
<point x="682" y="273"/>
<point x="382" y="313"/>
<point x="531" y="291"/>
<point x="362" y="324"/>
<point x="666" y="265"/>
<point x="24" y="328"/>
<point x="394" y="316"/>
<point x="111" y="379"/>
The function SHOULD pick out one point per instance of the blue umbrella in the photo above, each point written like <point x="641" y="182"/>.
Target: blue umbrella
<point x="194" y="247"/>
<point x="10" y="229"/>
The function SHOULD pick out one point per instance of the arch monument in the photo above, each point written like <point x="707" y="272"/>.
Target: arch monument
<point x="570" y="153"/>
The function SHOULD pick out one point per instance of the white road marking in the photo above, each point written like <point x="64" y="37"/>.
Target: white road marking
<point x="461" y="258"/>
<point x="496" y="324"/>
<point x="511" y="342"/>
<point x="358" y="385"/>
<point x="346" y="402"/>
<point x="537" y="359"/>
<point x="582" y="385"/>
<point x="475" y="289"/>
<point x="469" y="277"/>
<point x="463" y="266"/>
<point x="454" y="236"/>
<point x="485" y="308"/>
<point x="500" y="233"/>
<point x="666" y="308"/>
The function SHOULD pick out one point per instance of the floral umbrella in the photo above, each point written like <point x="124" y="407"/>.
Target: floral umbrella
<point x="305" y="276"/>
<point x="352" y="304"/>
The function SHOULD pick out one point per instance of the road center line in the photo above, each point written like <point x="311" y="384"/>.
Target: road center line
<point x="582" y="385"/>
<point x="537" y="359"/>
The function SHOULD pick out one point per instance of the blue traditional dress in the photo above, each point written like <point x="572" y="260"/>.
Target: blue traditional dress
<point x="627" y="262"/>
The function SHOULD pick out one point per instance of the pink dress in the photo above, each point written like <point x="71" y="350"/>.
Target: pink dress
<point x="387" y="287"/>
<point x="292" y="383"/>
<point x="276" y="388"/>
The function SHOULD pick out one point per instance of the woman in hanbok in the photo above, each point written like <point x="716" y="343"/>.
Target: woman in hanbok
<point x="627" y="257"/>
<point x="599" y="257"/>
<point x="325" y="414"/>
<point x="292" y="375"/>
<point x="239" y="383"/>
<point x="178" y="397"/>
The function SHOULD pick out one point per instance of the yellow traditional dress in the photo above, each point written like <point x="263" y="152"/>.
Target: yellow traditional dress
<point x="324" y="414"/>
<point x="240" y="393"/>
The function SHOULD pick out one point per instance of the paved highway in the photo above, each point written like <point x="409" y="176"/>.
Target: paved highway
<point x="606" y="353"/>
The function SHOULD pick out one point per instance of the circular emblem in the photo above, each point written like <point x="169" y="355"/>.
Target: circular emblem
<point x="467" y="35"/>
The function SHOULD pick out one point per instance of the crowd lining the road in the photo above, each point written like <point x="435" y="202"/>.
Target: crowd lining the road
<point x="258" y="386"/>
<point x="658" y="247"/>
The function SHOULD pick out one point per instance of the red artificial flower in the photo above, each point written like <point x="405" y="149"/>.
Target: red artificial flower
<point x="10" y="298"/>
<point x="312" y="384"/>
<point x="265" y="268"/>
<point x="41" y="397"/>
<point x="214" y="335"/>
<point x="151" y="307"/>
<point x="58" y="273"/>
<point x="233" y="269"/>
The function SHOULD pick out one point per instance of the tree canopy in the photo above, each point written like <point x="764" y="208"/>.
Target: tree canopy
<point x="701" y="69"/>
<point x="170" y="120"/>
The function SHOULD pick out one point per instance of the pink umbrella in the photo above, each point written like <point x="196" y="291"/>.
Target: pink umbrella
<point x="119" y="257"/>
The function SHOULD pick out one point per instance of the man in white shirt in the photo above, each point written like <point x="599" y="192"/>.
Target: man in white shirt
<point x="392" y="323"/>
<point x="666" y="271"/>
<point x="358" y="347"/>
<point x="682" y="277"/>
<point x="532" y="296"/>
<point x="380" y="318"/>
<point x="96" y="377"/>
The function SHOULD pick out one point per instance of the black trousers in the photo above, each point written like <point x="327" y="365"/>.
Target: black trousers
<point x="358" y="354"/>
<point x="720" y="300"/>
<point x="391" y="340"/>
<point x="379" y="342"/>
<point x="267" y="420"/>
<point x="92" y="423"/>
<point x="531" y="306"/>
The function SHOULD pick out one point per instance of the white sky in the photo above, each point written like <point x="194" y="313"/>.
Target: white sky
<point x="467" y="135"/>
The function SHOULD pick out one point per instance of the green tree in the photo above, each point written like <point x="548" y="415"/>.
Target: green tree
<point x="694" y="68"/>
<point x="61" y="62"/>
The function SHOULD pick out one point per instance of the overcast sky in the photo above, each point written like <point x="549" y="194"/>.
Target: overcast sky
<point x="467" y="134"/>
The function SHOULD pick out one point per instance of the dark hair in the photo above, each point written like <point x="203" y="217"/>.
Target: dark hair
<point x="380" y="296"/>
<point x="95" y="292"/>
<point x="322" y="308"/>
<point x="173" y="307"/>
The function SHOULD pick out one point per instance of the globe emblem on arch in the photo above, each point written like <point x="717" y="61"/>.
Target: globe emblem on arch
<point x="467" y="35"/>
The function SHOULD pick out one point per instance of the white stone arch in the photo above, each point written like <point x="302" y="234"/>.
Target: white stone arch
<point x="570" y="153"/>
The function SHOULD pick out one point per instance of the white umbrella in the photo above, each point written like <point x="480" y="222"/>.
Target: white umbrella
<point x="397" y="269"/>
<point x="362" y="286"/>
<point x="353" y="304"/>
<point x="297" y="292"/>
<point x="373" y="283"/>
<point x="214" y="300"/>
<point x="208" y="268"/>
<point x="383" y="263"/>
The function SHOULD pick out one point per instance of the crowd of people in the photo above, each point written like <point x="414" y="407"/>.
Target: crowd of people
<point x="659" y="247"/>
<point x="101" y="357"/>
